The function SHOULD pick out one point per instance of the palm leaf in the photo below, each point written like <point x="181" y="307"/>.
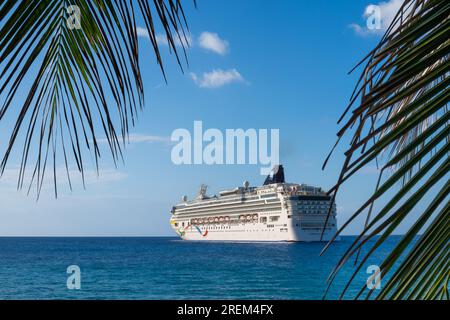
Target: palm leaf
<point x="401" y="125"/>
<point x="79" y="82"/>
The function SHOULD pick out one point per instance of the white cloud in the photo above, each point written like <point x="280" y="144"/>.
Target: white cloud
<point x="10" y="177"/>
<point x="104" y="176"/>
<point x="140" y="138"/>
<point x="179" y="42"/>
<point x="142" y="32"/>
<point x="207" y="40"/>
<point x="387" y="12"/>
<point x="161" y="38"/>
<point x="211" y="41"/>
<point x="360" y="31"/>
<point x="217" y="78"/>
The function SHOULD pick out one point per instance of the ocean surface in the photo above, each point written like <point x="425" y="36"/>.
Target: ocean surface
<point x="168" y="268"/>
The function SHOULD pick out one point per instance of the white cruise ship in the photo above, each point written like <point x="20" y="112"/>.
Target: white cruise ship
<point x="276" y="211"/>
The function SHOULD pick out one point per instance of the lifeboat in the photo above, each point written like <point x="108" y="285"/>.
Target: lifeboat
<point x="249" y="217"/>
<point x="211" y="220"/>
<point x="221" y="219"/>
<point x="255" y="217"/>
<point x="227" y="218"/>
<point x="216" y="219"/>
<point x="194" y="221"/>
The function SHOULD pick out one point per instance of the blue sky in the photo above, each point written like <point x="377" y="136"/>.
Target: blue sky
<point x="252" y="64"/>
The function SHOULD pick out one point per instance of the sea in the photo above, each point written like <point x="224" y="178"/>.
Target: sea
<point x="170" y="268"/>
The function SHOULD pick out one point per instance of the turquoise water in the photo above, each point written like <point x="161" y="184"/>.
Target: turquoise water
<point x="168" y="268"/>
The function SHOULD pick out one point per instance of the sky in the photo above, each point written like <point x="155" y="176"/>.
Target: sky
<point x="252" y="64"/>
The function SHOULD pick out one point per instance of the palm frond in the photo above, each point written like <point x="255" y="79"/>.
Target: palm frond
<point x="77" y="81"/>
<point x="402" y="124"/>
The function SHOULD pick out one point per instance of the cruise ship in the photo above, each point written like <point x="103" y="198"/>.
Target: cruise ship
<point x="275" y="211"/>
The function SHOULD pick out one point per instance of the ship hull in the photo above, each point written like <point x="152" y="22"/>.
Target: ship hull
<point x="253" y="232"/>
<point x="276" y="212"/>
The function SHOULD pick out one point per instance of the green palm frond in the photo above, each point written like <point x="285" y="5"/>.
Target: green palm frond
<point x="402" y="124"/>
<point x="76" y="80"/>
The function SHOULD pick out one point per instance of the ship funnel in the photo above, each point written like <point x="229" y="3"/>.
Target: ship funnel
<point x="275" y="176"/>
<point x="202" y="193"/>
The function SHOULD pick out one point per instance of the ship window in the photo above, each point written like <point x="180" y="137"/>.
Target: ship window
<point x="182" y="224"/>
<point x="176" y="224"/>
<point x="263" y="219"/>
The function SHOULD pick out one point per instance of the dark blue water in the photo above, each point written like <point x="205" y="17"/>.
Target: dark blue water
<point x="167" y="268"/>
